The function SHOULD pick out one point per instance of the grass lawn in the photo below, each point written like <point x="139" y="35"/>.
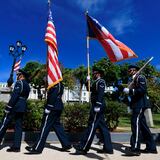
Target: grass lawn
<point x="156" y="120"/>
<point x="125" y="121"/>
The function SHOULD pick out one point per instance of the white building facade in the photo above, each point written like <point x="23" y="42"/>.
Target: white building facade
<point x="68" y="96"/>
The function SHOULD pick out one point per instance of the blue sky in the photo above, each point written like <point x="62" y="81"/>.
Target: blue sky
<point x="134" y="22"/>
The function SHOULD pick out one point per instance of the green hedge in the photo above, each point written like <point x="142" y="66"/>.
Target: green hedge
<point x="2" y="106"/>
<point x="113" y="112"/>
<point x="33" y="116"/>
<point x="74" y="117"/>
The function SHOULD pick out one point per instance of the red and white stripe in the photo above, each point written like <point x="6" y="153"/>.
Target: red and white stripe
<point x="17" y="65"/>
<point x="115" y="49"/>
<point x="53" y="67"/>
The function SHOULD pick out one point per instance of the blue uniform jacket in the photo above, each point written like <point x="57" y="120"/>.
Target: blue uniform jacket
<point x="97" y="93"/>
<point x="54" y="97"/>
<point x="139" y="93"/>
<point x="19" y="96"/>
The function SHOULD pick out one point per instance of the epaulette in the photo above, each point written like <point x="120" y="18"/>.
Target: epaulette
<point x="100" y="81"/>
<point x="21" y="83"/>
<point x="142" y="77"/>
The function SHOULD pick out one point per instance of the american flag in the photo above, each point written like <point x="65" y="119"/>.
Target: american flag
<point x="17" y="65"/>
<point x="115" y="49"/>
<point x="54" y="74"/>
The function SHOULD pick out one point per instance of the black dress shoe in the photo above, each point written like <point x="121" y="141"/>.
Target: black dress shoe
<point x="104" y="151"/>
<point x="79" y="150"/>
<point x="29" y="148"/>
<point x="12" y="149"/>
<point x="66" y="148"/>
<point x="149" y="151"/>
<point x="32" y="150"/>
<point x="132" y="152"/>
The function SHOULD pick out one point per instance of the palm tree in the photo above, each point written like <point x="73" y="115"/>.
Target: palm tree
<point x="68" y="79"/>
<point x="81" y="74"/>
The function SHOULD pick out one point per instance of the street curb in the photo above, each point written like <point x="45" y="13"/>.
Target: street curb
<point x="75" y="137"/>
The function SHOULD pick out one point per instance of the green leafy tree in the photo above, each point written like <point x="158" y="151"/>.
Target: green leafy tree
<point x="68" y="79"/>
<point x="154" y="96"/>
<point x="124" y="72"/>
<point x="81" y="74"/>
<point x="37" y="73"/>
<point x="111" y="70"/>
<point x="149" y="71"/>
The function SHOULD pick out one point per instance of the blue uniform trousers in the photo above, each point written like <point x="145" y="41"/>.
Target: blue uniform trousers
<point x="139" y="128"/>
<point x="18" y="116"/>
<point x="49" y="121"/>
<point x="96" y="120"/>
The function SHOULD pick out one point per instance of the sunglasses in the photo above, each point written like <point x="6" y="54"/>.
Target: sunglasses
<point x="18" y="74"/>
<point x="95" y="72"/>
<point x="131" y="70"/>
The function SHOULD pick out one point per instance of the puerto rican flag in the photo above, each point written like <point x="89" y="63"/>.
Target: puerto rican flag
<point x="115" y="49"/>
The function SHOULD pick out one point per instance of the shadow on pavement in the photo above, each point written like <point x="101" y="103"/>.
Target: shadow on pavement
<point x="48" y="145"/>
<point x="119" y="147"/>
<point x="90" y="155"/>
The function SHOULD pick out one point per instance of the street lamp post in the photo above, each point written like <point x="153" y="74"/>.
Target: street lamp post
<point x="15" y="52"/>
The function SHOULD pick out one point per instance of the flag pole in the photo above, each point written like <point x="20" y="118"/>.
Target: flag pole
<point x="49" y="5"/>
<point x="88" y="62"/>
<point x="46" y="77"/>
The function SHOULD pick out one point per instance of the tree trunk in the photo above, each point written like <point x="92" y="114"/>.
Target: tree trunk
<point x="80" y="93"/>
<point x="39" y="93"/>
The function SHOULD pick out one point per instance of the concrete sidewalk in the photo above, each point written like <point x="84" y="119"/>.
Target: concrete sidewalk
<point x="51" y="152"/>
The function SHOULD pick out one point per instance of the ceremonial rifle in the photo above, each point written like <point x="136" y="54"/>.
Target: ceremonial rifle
<point x="139" y="72"/>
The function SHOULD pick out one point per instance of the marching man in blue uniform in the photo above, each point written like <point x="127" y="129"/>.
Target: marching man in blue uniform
<point x="138" y="104"/>
<point x="51" y="119"/>
<point x="96" y="117"/>
<point x="15" y="109"/>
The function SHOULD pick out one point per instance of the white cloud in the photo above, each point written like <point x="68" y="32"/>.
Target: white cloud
<point x="119" y="13"/>
<point x="94" y="5"/>
<point x="123" y="19"/>
<point x="122" y="23"/>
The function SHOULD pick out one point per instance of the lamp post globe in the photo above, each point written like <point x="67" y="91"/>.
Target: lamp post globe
<point x="15" y="51"/>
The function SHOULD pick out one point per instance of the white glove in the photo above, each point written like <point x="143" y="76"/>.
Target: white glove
<point x="115" y="89"/>
<point x="133" y="76"/>
<point x="126" y="90"/>
<point x="88" y="78"/>
<point x="96" y="109"/>
<point x="47" y="111"/>
<point x="6" y="111"/>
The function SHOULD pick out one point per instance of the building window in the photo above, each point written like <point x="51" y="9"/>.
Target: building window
<point x="34" y="91"/>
